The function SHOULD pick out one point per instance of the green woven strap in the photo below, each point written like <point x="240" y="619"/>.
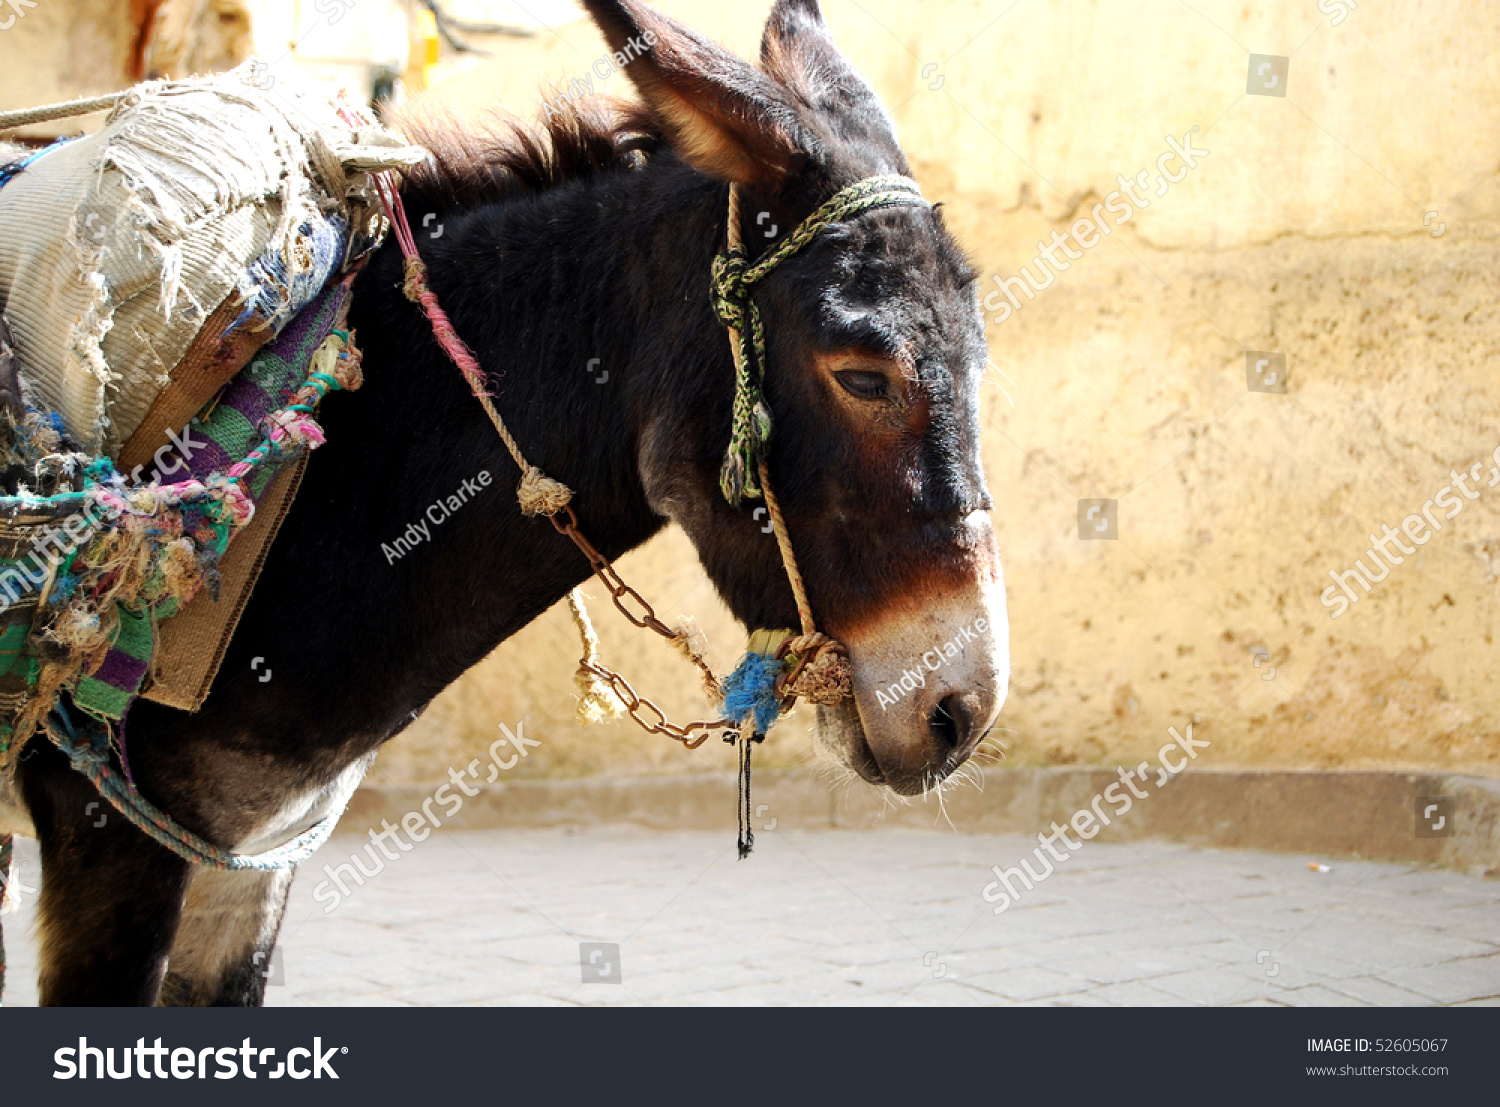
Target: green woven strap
<point x="734" y="280"/>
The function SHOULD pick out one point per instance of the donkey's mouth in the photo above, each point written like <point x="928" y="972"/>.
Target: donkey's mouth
<point x="841" y="736"/>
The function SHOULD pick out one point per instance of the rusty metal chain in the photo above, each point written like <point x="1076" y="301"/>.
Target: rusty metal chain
<point x="619" y="591"/>
<point x="635" y="706"/>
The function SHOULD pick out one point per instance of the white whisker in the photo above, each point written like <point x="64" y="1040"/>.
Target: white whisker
<point x="943" y="807"/>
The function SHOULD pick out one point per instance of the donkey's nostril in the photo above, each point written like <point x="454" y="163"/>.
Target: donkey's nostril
<point x="950" y="724"/>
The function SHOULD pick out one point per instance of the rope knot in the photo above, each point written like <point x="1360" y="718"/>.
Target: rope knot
<point x="828" y="676"/>
<point x="416" y="279"/>
<point x="346" y="368"/>
<point x="731" y="291"/>
<point x="540" y="494"/>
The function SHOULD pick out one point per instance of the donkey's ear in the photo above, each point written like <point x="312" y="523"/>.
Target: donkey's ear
<point x="799" y="52"/>
<point x="722" y="115"/>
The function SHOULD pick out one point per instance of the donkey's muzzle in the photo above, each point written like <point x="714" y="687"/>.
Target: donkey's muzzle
<point x="918" y="713"/>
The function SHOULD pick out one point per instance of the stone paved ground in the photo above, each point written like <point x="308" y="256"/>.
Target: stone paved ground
<point x="885" y="917"/>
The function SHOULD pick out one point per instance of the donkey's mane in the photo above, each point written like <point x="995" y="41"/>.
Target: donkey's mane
<point x="499" y="157"/>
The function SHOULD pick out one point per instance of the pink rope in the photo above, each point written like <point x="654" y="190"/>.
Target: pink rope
<point x="416" y="277"/>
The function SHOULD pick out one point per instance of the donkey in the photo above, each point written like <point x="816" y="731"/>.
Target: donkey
<point x="589" y="238"/>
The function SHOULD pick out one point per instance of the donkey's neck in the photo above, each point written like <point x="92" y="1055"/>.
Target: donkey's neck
<point x="588" y="307"/>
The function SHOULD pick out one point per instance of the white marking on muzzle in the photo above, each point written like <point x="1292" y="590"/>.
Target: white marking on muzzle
<point x="928" y="686"/>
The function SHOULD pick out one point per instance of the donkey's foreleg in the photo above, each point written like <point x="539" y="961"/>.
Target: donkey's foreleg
<point x="110" y="899"/>
<point x="222" y="956"/>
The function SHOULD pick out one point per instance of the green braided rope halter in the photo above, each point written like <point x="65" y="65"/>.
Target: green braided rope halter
<point x="734" y="279"/>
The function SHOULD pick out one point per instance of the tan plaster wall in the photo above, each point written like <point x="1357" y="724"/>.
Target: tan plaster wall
<point x="63" y="50"/>
<point x="1302" y="233"/>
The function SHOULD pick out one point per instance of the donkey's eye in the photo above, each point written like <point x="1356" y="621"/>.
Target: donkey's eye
<point x="867" y="386"/>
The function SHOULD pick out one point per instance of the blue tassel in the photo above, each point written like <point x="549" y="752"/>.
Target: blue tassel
<point x="752" y="688"/>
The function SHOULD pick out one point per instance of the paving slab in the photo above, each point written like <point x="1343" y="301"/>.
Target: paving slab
<point x="888" y="917"/>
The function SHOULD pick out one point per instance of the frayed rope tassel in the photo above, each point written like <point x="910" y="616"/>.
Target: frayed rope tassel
<point x="597" y="701"/>
<point x="747" y="738"/>
<point x="750" y="699"/>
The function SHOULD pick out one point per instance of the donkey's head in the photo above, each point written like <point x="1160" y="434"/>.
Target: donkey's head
<point x="874" y="353"/>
